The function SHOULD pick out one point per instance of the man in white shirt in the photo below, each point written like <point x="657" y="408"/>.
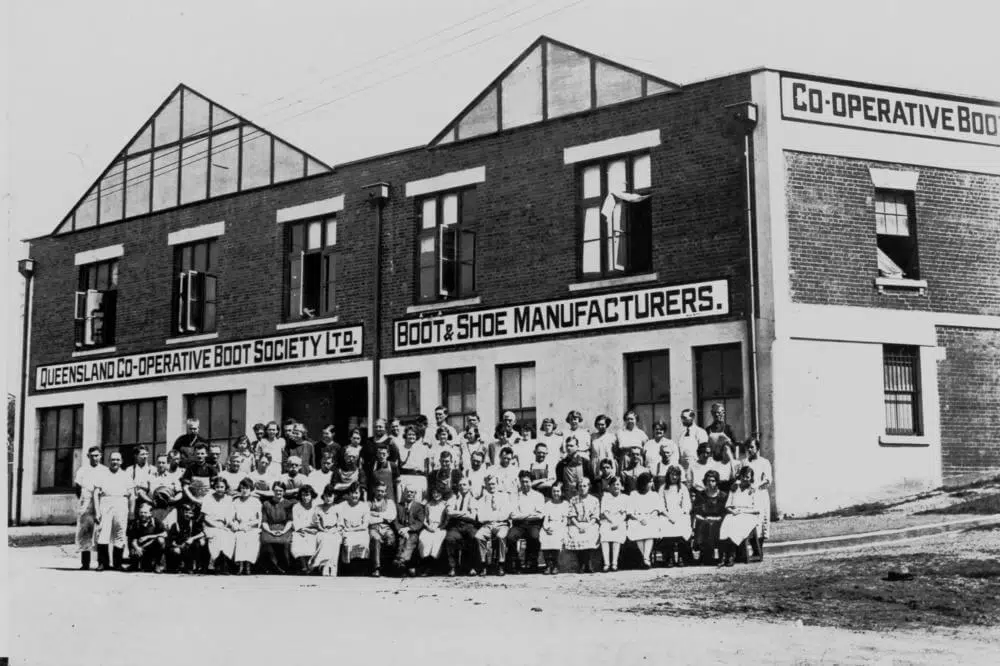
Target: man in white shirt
<point x="142" y="471"/>
<point x="441" y="418"/>
<point x="690" y="437"/>
<point x="86" y="479"/>
<point x="163" y="501"/>
<point x="493" y="513"/>
<point x="461" y="524"/>
<point x="506" y="471"/>
<point x="526" y="523"/>
<point x="323" y="476"/>
<point x="114" y="502"/>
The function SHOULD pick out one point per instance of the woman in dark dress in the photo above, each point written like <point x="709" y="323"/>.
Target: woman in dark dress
<point x="708" y="509"/>
<point x="276" y="531"/>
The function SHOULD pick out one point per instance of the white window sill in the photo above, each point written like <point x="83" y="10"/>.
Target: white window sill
<point x="443" y="305"/>
<point x="615" y="282"/>
<point x="191" y="338"/>
<point x="901" y="283"/>
<point x="94" y="352"/>
<point x="302" y="323"/>
<point x="904" y="440"/>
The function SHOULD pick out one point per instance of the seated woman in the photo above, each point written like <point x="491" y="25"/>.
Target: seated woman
<point x="217" y="514"/>
<point x="708" y="509"/>
<point x="329" y="534"/>
<point x="246" y="527"/>
<point x="614" y="506"/>
<point x="276" y="531"/>
<point x="583" y="525"/>
<point x="303" y="544"/>
<point x="646" y="517"/>
<point x="742" y="517"/>
<point x="186" y="550"/>
<point x="430" y="539"/>
<point x="676" y="499"/>
<point x="354" y="520"/>
<point x="553" y="533"/>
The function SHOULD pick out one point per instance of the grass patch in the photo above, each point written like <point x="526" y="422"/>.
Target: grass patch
<point x="983" y="504"/>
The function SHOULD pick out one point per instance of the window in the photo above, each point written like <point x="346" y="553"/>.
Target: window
<point x="895" y="227"/>
<point x="616" y="234"/>
<point x="195" y="266"/>
<point x="126" y="425"/>
<point x="458" y="394"/>
<point x="446" y="248"/>
<point x="96" y="305"/>
<point x="60" y="441"/>
<point x="900" y="370"/>
<point x="719" y="372"/>
<point x="221" y="416"/>
<point x="648" y="377"/>
<point x="404" y="398"/>
<point x="312" y="269"/>
<point x="517" y="393"/>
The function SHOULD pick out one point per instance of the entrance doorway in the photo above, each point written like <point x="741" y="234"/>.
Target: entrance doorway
<point x="342" y="403"/>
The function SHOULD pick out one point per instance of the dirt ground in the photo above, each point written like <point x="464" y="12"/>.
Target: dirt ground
<point x="806" y="610"/>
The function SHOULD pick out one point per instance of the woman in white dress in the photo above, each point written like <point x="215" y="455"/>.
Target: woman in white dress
<point x="217" y="514"/>
<point x="614" y="509"/>
<point x="762" y="481"/>
<point x="553" y="532"/>
<point x="742" y="516"/>
<point x="354" y="519"/>
<point x="431" y="538"/>
<point x="246" y="523"/>
<point x="630" y="436"/>
<point x="552" y="439"/>
<point x="275" y="447"/>
<point x="304" y="543"/>
<point x="676" y="500"/>
<point x="577" y="431"/>
<point x="329" y="534"/>
<point x="412" y="465"/>
<point x="602" y="445"/>
<point x="646" y="517"/>
<point x="583" y="530"/>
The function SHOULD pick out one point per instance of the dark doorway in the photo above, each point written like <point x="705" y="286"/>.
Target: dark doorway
<point x="342" y="403"/>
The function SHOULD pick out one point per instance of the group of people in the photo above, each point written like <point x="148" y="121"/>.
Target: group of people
<point x="423" y="497"/>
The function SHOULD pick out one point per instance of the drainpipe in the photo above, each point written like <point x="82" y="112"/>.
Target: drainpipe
<point x="378" y="194"/>
<point x="26" y="267"/>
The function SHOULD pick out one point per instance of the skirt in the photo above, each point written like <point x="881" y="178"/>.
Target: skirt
<point x="738" y="527"/>
<point x="356" y="545"/>
<point x="220" y="540"/>
<point x="327" y="549"/>
<point x="246" y="546"/>
<point x="679" y="529"/>
<point x="553" y="541"/>
<point x="653" y="529"/>
<point x="304" y="544"/>
<point x="429" y="543"/>
<point x="609" y="535"/>
<point x="575" y="540"/>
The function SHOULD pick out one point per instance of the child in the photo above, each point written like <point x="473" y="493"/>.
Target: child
<point x="186" y="541"/>
<point x="303" y="543"/>
<point x="329" y="534"/>
<point x="676" y="500"/>
<point x="614" y="506"/>
<point x="246" y="527"/>
<point x="646" y="517"/>
<point x="409" y="522"/>
<point x="582" y="525"/>
<point x="217" y="513"/>
<point x="432" y="529"/>
<point x="354" y="521"/>
<point x="382" y="516"/>
<point x="553" y="532"/>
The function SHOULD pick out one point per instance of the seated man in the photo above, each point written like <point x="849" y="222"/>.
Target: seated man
<point x="146" y="539"/>
<point x="380" y="525"/>
<point x="526" y="523"/>
<point x="293" y="479"/>
<point x="409" y="521"/>
<point x="460" y="521"/>
<point x="493" y="513"/>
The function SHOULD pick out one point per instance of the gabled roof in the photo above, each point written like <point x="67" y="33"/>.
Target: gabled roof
<point x="166" y="163"/>
<point x="548" y="80"/>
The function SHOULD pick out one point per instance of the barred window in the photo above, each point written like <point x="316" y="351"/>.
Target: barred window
<point x="901" y="373"/>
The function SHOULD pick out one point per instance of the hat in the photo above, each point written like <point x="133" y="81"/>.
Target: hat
<point x="294" y="460"/>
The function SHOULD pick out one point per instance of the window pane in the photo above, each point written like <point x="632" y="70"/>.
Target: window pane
<point x="331" y="233"/>
<point x="429" y="214"/>
<point x="528" y="386"/>
<point x="660" y="375"/>
<point x="112" y="194"/>
<point x="143" y="141"/>
<point x="615" y="85"/>
<point x="592" y="257"/>
<point x="167" y="125"/>
<point x="642" y="175"/>
<point x="199" y="261"/>
<point x="256" y="165"/>
<point x="165" y="163"/>
<point x="112" y="427"/>
<point x="237" y="414"/>
<point x="194" y="170"/>
<point x="568" y="81"/>
<point x="49" y="435"/>
<point x="47" y="469"/>
<point x="314" y="236"/>
<point x="225" y="166"/>
<point x="449" y="214"/>
<point x="288" y="162"/>
<point x="481" y="119"/>
<point x="732" y="367"/>
<point x="199" y="409"/>
<point x="510" y="389"/>
<point x="469" y="388"/>
<point x="130" y="425"/>
<point x="195" y="114"/>
<point x="592" y="224"/>
<point x="616" y="176"/>
<point x="137" y="186"/>
<point x="522" y="91"/>
<point x="218" y="427"/>
<point x="147" y="422"/>
<point x="711" y="372"/>
<point x="639" y="388"/>
<point x="161" y="420"/>
<point x="86" y="212"/>
<point x="592" y="182"/>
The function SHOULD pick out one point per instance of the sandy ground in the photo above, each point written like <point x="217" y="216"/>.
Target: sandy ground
<point x="65" y="617"/>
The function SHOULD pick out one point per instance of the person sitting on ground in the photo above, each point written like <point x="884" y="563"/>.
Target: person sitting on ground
<point x="646" y="518"/>
<point x="526" y="523"/>
<point x="553" y="532"/>
<point x="185" y="549"/>
<point x="384" y="471"/>
<point x="583" y="525"/>
<point x="198" y="474"/>
<point x="355" y="518"/>
<point x="614" y="509"/>
<point x="412" y="463"/>
<point x="460" y="519"/>
<point x="349" y="474"/>
<point x="217" y="515"/>
<point x="654" y="448"/>
<point x="246" y="527"/>
<point x="476" y="472"/>
<point x="322" y="476"/>
<point x="432" y="530"/>
<point x="633" y="469"/>
<point x="233" y="473"/>
<point x="762" y="481"/>
<point x="410" y="515"/>
<point x="493" y="513"/>
<point x="541" y="471"/>
<point x="445" y="477"/>
<point x="147" y="539"/>
<point x="573" y="468"/>
<point x="382" y="516"/>
<point x="187" y="443"/>
<point x="709" y="507"/>
<point x="676" y="534"/>
<point x="293" y="479"/>
<point x="303" y="543"/>
<point x="276" y="531"/>
<point x="742" y="517"/>
<point x="329" y="534"/>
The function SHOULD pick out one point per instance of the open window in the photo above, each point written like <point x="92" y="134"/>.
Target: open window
<point x="312" y="269"/>
<point x="895" y="227"/>
<point x="195" y="287"/>
<point x="616" y="236"/>
<point x="96" y="302"/>
<point x="446" y="247"/>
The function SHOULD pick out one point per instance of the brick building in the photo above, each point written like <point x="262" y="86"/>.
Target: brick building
<point x="821" y="256"/>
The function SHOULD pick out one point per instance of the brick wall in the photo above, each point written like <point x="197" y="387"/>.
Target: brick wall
<point x="832" y="242"/>
<point x="969" y="385"/>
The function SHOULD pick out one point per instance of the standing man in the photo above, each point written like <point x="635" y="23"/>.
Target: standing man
<point x="572" y="469"/>
<point x="493" y="513"/>
<point x="526" y="523"/>
<point x="441" y="418"/>
<point x="114" y="502"/>
<point x="187" y="442"/>
<point x="141" y="471"/>
<point x="690" y="438"/>
<point x="718" y="424"/>
<point x="86" y="480"/>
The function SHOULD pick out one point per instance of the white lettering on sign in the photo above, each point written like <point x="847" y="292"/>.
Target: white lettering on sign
<point x="633" y="308"/>
<point x="244" y="354"/>
<point x="867" y="108"/>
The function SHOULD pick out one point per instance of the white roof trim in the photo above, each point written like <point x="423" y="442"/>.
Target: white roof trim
<point x="616" y="146"/>
<point x="98" y="254"/>
<point x="890" y="179"/>
<point x="446" y="181"/>
<point x="193" y="234"/>
<point x="311" y="209"/>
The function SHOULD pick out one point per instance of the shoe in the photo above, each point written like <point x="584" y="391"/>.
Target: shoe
<point x="500" y="571"/>
<point x="730" y="561"/>
<point x="647" y="565"/>
<point x="451" y="573"/>
<point x="376" y="574"/>
<point x="555" y="570"/>
<point x="481" y="573"/>
<point x="614" y="567"/>
<point x="721" y="564"/>
<point x="413" y="572"/>
<point x="606" y="568"/>
<point x="472" y="572"/>
<point x="101" y="567"/>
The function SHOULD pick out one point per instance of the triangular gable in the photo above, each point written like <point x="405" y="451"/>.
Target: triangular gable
<point x="549" y="80"/>
<point x="166" y="164"/>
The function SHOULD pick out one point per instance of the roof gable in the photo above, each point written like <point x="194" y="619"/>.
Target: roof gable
<point x="548" y="80"/>
<point x="191" y="149"/>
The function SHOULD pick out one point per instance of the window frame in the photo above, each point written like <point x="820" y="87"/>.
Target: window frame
<point x="327" y="253"/>
<point x="205" y="422"/>
<point x="630" y="360"/>
<point x="127" y="449"/>
<point x="86" y="275"/>
<point x="74" y="449"/>
<point x="409" y="417"/>
<point x="585" y="203"/>
<point x="705" y="416"/>
<point x="912" y="354"/>
<point x="520" y="411"/>
<point x="457" y="418"/>
<point x="911" y="271"/>
<point x="182" y="323"/>
<point x="467" y="211"/>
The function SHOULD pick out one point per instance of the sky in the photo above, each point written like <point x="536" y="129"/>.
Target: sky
<point x="345" y="80"/>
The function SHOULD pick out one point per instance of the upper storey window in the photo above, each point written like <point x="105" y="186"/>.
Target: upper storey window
<point x="895" y="226"/>
<point x="195" y="266"/>
<point x="312" y="269"/>
<point x="616" y="225"/>
<point x="446" y="247"/>
<point x="96" y="304"/>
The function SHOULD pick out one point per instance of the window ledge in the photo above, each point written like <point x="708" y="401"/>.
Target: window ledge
<point x="54" y="491"/>
<point x="191" y="338"/>
<point x="904" y="440"/>
<point x="443" y="305"/>
<point x="614" y="282"/>
<point x="302" y="323"/>
<point x="94" y="352"/>
<point x="901" y="283"/>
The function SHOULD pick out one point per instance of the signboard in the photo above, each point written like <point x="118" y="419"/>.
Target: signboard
<point x="880" y="110"/>
<point x="302" y="347"/>
<point x="589" y="313"/>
